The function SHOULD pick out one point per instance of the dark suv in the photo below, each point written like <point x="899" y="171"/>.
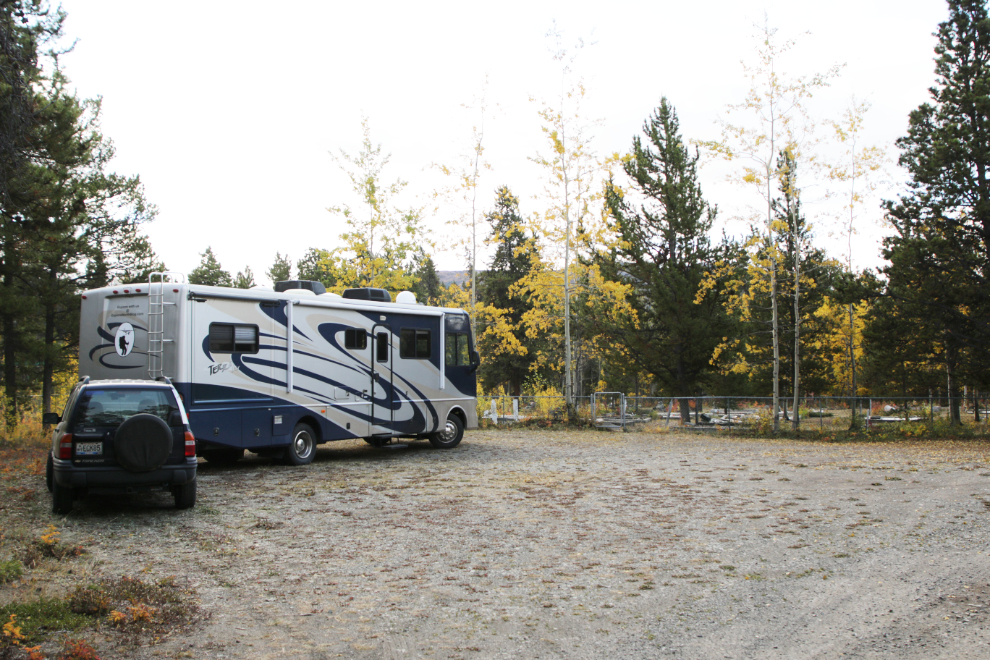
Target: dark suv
<point x="124" y="436"/>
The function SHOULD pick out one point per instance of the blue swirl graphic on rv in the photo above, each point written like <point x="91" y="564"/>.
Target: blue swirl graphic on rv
<point x="278" y="315"/>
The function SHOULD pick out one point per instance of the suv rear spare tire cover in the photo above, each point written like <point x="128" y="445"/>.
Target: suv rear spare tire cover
<point x="143" y="443"/>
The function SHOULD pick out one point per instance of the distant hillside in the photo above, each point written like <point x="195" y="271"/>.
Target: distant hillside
<point x="459" y="277"/>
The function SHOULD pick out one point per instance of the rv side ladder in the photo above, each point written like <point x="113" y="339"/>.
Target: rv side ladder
<point x="156" y="320"/>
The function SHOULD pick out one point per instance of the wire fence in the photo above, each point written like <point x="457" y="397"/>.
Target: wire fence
<point x="615" y="410"/>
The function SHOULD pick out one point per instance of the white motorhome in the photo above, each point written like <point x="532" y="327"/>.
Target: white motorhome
<point x="281" y="371"/>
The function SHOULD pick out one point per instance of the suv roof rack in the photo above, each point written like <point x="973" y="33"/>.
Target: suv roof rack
<point x="84" y="379"/>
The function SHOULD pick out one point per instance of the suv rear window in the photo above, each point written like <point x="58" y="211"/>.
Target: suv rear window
<point x="110" y="407"/>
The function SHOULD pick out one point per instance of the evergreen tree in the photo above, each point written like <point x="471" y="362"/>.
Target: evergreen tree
<point x="313" y="266"/>
<point x="65" y="222"/>
<point x="939" y="259"/>
<point x="500" y="324"/>
<point x="281" y="270"/>
<point x="663" y="251"/>
<point x="209" y="271"/>
<point x="245" y="279"/>
<point x="427" y="288"/>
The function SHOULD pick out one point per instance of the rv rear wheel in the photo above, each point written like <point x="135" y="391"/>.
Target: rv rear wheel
<point x="303" y="446"/>
<point x="450" y="436"/>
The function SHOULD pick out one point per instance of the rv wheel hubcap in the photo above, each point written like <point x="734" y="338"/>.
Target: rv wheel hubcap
<point x="303" y="444"/>
<point x="449" y="431"/>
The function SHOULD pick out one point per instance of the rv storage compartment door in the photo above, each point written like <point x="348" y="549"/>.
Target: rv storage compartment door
<point x="233" y="350"/>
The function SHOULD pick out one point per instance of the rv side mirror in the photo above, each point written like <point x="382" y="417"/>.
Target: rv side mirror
<point x="475" y="360"/>
<point x="50" y="419"/>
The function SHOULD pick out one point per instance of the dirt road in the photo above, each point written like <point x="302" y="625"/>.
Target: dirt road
<point x="571" y="545"/>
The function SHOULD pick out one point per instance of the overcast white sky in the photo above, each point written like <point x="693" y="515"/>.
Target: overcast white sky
<point x="227" y="110"/>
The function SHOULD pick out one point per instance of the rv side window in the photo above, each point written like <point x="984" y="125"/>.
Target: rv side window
<point x="457" y="349"/>
<point x="230" y="338"/>
<point x="415" y="343"/>
<point x="381" y="347"/>
<point x="355" y="339"/>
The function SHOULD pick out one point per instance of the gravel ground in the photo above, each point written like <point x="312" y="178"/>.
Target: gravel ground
<point x="571" y="544"/>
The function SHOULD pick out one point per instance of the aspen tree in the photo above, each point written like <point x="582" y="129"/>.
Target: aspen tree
<point x="464" y="191"/>
<point x="861" y="168"/>
<point x="571" y="178"/>
<point x="771" y="118"/>
<point x="382" y="238"/>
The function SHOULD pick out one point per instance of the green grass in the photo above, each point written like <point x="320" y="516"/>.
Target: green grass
<point x="10" y="571"/>
<point x="40" y="619"/>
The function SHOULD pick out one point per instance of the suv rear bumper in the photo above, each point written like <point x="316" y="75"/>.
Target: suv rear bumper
<point x="72" y="476"/>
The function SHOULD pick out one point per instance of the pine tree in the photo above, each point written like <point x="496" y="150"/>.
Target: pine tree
<point x="281" y="270"/>
<point x="662" y="251"/>
<point x="503" y="341"/>
<point x="66" y="223"/>
<point x="313" y="266"/>
<point x="427" y="288"/>
<point x="940" y="256"/>
<point x="209" y="271"/>
<point x="245" y="279"/>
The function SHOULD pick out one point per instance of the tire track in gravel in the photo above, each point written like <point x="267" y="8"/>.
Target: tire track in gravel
<point x="585" y="545"/>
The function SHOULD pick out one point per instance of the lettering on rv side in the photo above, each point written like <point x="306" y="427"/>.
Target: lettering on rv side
<point x="220" y="367"/>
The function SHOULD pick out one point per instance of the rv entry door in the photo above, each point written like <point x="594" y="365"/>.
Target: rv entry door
<point x="381" y="380"/>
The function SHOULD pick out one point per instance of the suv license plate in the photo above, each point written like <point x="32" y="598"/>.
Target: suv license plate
<point x="89" y="449"/>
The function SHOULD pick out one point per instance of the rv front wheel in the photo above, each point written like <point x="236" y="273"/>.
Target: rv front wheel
<point x="303" y="446"/>
<point x="450" y="436"/>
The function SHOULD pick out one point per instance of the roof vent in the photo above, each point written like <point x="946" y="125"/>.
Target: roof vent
<point x="375" y="295"/>
<point x="309" y="285"/>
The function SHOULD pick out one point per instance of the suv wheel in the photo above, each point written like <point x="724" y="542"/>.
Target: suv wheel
<point x="185" y="495"/>
<point x="62" y="497"/>
<point x="303" y="446"/>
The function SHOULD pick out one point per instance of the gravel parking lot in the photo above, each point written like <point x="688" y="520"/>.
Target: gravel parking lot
<point x="547" y="544"/>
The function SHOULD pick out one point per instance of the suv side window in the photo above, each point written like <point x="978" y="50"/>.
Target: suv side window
<point x="71" y="402"/>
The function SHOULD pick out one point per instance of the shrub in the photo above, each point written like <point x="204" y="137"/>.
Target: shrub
<point x="10" y="570"/>
<point x="77" y="649"/>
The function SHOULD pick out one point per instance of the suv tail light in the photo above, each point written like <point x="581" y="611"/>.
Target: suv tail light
<point x="190" y="444"/>
<point x="65" y="447"/>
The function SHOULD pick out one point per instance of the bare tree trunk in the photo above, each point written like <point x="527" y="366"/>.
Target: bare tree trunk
<point x="852" y="359"/>
<point x="796" y="423"/>
<point x="776" y="346"/>
<point x="955" y="419"/>
<point x="10" y="337"/>
<point x="567" y="305"/>
<point x="48" y="366"/>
